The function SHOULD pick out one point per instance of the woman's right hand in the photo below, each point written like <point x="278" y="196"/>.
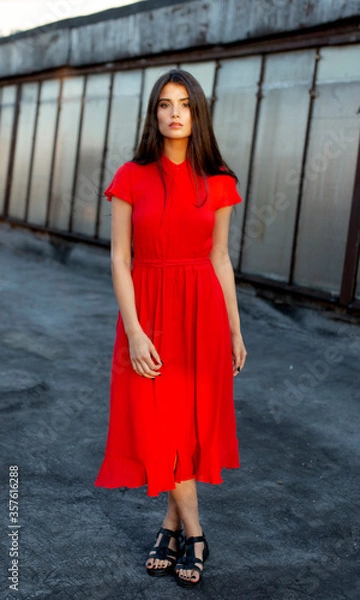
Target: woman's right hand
<point x="144" y="356"/>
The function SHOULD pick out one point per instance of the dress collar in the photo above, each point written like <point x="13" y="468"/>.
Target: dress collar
<point x="169" y="165"/>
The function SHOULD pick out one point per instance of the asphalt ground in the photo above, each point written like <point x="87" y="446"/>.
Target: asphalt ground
<point x="285" y="526"/>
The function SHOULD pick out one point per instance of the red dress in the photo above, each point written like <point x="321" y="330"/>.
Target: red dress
<point x="188" y="411"/>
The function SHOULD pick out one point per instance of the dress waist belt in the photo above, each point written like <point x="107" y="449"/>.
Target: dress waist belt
<point x="170" y="262"/>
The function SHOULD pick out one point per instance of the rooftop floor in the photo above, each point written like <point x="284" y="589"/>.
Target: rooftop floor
<point x="282" y="527"/>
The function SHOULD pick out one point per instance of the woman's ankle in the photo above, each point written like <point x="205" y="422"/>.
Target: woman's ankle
<point x="171" y="523"/>
<point x="193" y="530"/>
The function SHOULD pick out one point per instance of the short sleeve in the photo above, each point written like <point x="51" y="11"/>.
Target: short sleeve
<point x="228" y="194"/>
<point x="120" y="187"/>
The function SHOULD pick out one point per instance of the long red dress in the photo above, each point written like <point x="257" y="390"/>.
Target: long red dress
<point x="187" y="412"/>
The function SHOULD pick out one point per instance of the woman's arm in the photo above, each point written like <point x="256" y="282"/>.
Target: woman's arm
<point x="222" y="265"/>
<point x="142" y="350"/>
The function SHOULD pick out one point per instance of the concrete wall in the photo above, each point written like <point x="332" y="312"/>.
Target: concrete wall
<point x="156" y="27"/>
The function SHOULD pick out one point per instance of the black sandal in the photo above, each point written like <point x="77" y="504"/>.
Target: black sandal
<point x="191" y="562"/>
<point x="163" y="552"/>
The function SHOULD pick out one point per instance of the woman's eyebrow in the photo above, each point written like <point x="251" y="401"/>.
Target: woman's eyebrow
<point x="169" y="99"/>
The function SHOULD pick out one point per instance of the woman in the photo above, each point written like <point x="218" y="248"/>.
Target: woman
<point x="178" y="341"/>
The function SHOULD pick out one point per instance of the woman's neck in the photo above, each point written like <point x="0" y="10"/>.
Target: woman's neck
<point x="175" y="150"/>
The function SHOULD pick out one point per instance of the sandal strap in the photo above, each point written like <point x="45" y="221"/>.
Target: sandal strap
<point x="163" y="553"/>
<point x="191" y="563"/>
<point x="168" y="533"/>
<point x="180" y="562"/>
<point x="196" y="568"/>
<point x="190" y="541"/>
<point x="190" y="557"/>
<point x="162" y="550"/>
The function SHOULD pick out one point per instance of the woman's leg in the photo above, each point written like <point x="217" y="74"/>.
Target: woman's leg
<point x="186" y="500"/>
<point x="171" y="521"/>
<point x="182" y="507"/>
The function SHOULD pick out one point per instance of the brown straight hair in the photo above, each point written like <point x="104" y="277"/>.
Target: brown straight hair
<point x="203" y="150"/>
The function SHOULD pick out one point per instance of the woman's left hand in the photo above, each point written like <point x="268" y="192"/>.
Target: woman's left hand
<point x="239" y="352"/>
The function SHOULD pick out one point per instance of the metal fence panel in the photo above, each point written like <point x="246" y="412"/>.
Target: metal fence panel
<point x="8" y="99"/>
<point x="357" y="292"/>
<point x="204" y="72"/>
<point x="277" y="164"/>
<point x="263" y="116"/>
<point x="330" y="168"/>
<point x="233" y="119"/>
<point x="122" y="134"/>
<point x="23" y="150"/>
<point x="66" y="146"/>
<point x="44" y="143"/>
<point x="151" y="76"/>
<point x="91" y="151"/>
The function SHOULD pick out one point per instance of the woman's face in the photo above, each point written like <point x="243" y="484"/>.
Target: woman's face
<point x="173" y="112"/>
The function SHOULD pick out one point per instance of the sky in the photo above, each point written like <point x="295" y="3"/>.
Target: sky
<point x="17" y="15"/>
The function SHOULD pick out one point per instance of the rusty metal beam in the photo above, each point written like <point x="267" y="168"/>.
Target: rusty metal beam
<point x="351" y="261"/>
<point x="103" y="157"/>
<point x="284" y="289"/>
<point x="32" y="152"/>
<point x="138" y="124"/>
<point x="77" y="157"/>
<point x="316" y="297"/>
<point x="259" y="97"/>
<point x="214" y="87"/>
<point x="59" y="233"/>
<point x="53" y="157"/>
<point x="355" y="305"/>
<point x="312" y="93"/>
<point x="12" y="152"/>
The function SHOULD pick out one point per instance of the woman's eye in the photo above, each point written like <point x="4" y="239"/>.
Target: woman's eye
<point x="167" y="104"/>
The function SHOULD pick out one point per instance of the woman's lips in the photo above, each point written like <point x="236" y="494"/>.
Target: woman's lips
<point x="175" y="125"/>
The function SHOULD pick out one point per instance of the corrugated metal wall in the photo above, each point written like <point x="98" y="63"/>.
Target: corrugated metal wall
<point x="287" y="123"/>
